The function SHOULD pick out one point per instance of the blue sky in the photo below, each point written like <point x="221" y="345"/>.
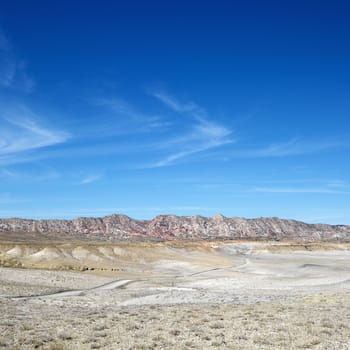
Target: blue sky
<point x="184" y="107"/>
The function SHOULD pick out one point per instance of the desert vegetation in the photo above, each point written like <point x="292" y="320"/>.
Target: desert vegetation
<point x="206" y="295"/>
<point x="315" y="322"/>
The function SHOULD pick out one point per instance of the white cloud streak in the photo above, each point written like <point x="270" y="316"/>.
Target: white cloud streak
<point x="140" y="122"/>
<point x="41" y="174"/>
<point x="203" y="137"/>
<point x="90" y="179"/>
<point x="316" y="190"/>
<point x="292" y="147"/>
<point x="204" y="134"/>
<point x="13" y="72"/>
<point x="175" y="105"/>
<point x="20" y="131"/>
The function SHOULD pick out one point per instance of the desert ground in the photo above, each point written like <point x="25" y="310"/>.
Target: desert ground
<point x="174" y="295"/>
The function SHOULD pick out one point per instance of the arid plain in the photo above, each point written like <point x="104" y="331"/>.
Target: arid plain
<point x="174" y="295"/>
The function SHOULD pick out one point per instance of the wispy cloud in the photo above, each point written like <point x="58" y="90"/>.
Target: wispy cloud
<point x="8" y="174"/>
<point x="119" y="106"/>
<point x="203" y="137"/>
<point x="171" y="102"/>
<point x="292" y="147"/>
<point x="38" y="175"/>
<point x="204" y="134"/>
<point x="21" y="131"/>
<point x="316" y="190"/>
<point x="13" y="72"/>
<point x="127" y="114"/>
<point x="90" y="179"/>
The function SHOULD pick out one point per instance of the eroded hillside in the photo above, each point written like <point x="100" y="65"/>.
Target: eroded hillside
<point x="165" y="227"/>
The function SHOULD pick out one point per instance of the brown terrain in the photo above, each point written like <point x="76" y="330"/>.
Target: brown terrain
<point x="168" y="283"/>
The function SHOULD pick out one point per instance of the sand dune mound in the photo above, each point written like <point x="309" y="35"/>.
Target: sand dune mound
<point x="118" y="251"/>
<point x="107" y="252"/>
<point x="81" y="253"/>
<point x="47" y="253"/>
<point x="175" y="257"/>
<point x="15" y="252"/>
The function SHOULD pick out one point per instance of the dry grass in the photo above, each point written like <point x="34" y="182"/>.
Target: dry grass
<point x="318" y="322"/>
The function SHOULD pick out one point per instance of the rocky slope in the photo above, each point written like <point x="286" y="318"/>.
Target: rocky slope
<point x="115" y="227"/>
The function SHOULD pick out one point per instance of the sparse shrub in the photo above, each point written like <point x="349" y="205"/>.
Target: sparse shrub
<point x="99" y="327"/>
<point x="54" y="346"/>
<point x="27" y="326"/>
<point x="327" y="324"/>
<point x="216" y="325"/>
<point x="175" y="332"/>
<point x="100" y="334"/>
<point x="190" y="344"/>
<point x="64" y="335"/>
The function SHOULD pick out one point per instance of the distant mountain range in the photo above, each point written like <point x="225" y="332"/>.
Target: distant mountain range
<point x="164" y="227"/>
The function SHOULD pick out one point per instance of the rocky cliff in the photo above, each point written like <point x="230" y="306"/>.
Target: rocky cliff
<point x="115" y="227"/>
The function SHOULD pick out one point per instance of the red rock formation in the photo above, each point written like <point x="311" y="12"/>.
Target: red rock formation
<point x="182" y="227"/>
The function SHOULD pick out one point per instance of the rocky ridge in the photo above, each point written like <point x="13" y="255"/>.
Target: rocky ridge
<point x="116" y="227"/>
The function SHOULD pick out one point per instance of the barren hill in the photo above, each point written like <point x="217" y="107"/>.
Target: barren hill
<point x="116" y="227"/>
